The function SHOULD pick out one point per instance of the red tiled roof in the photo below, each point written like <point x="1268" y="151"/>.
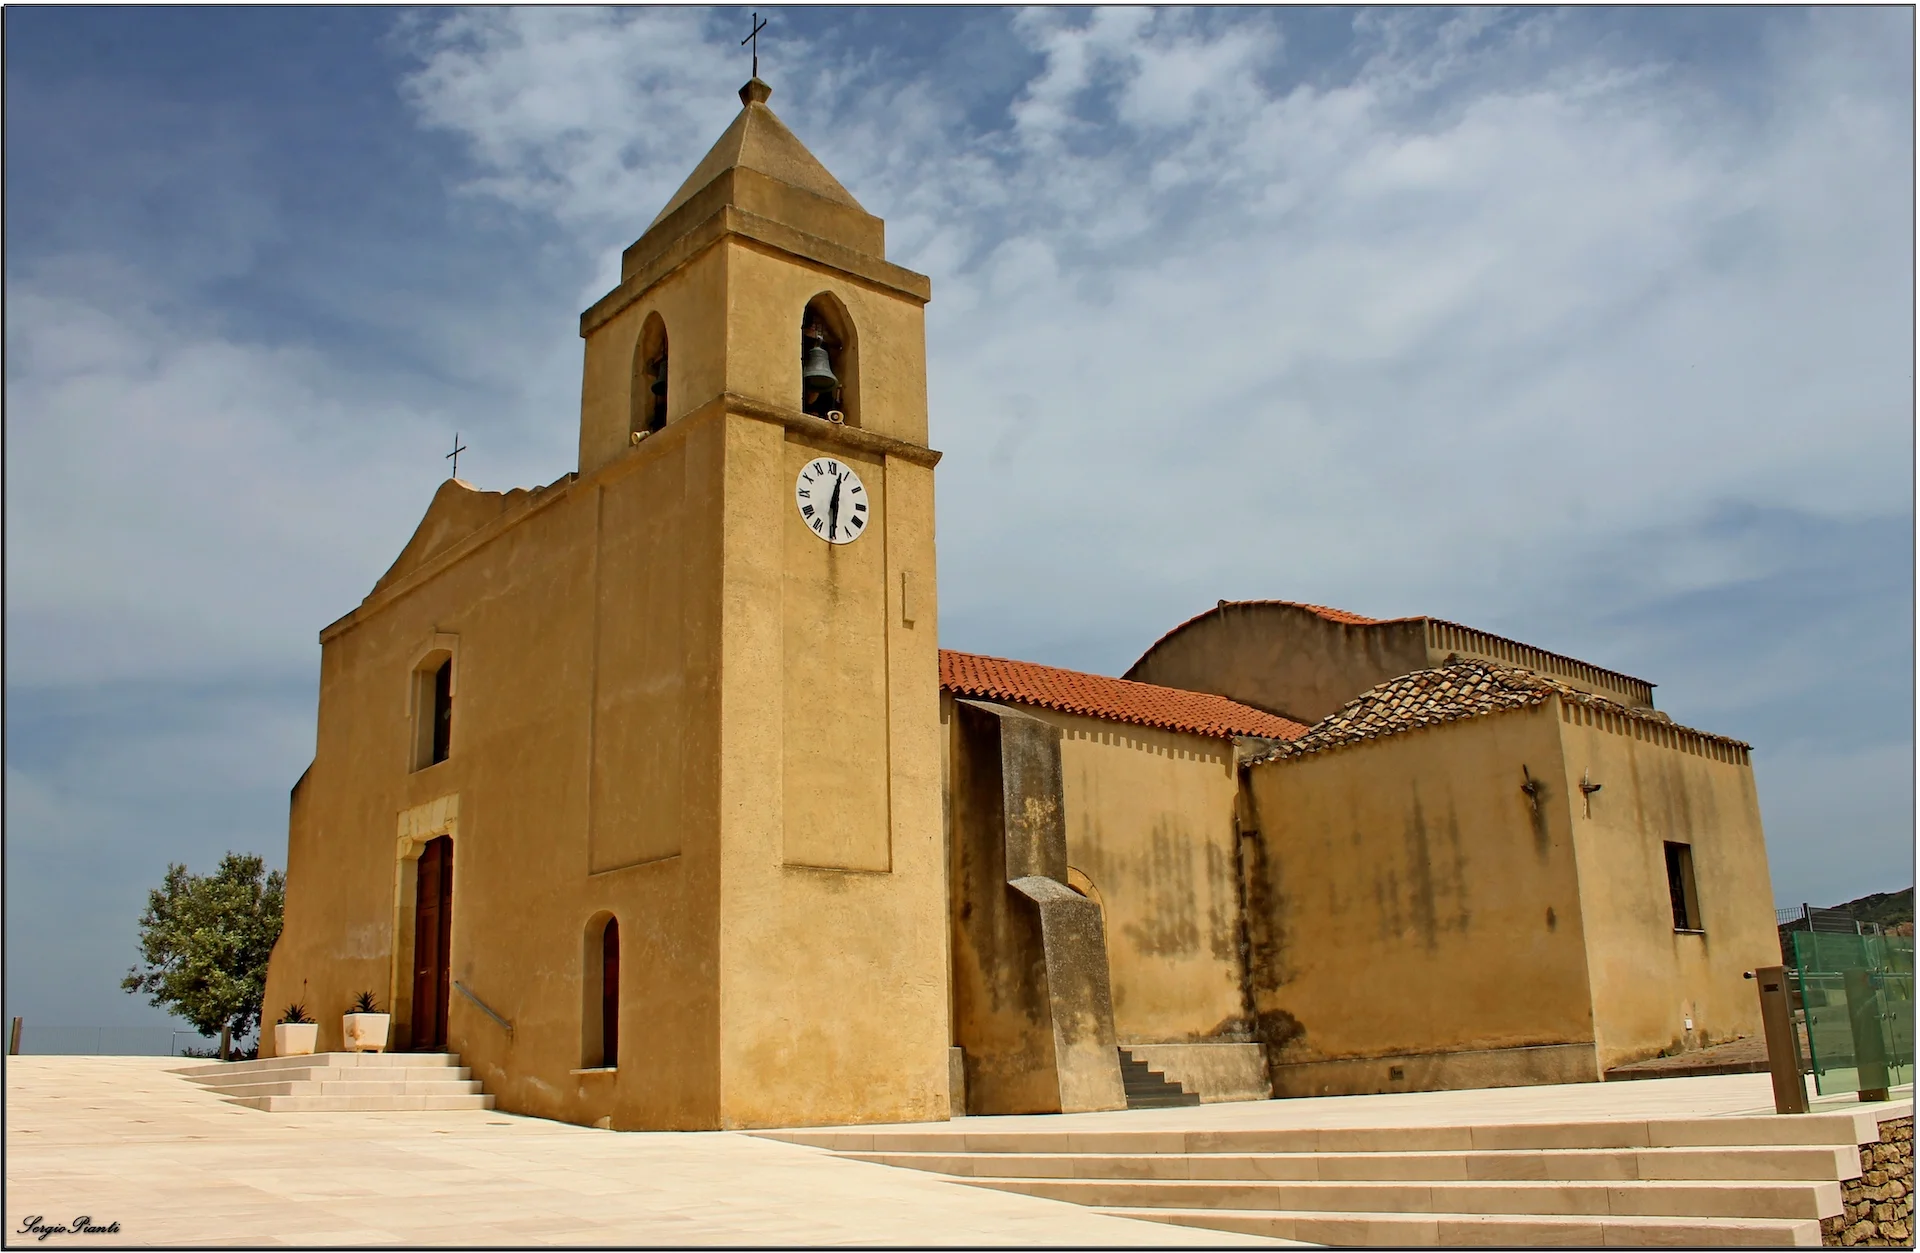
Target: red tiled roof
<point x="1330" y="614"/>
<point x="1462" y="688"/>
<point x="1118" y="700"/>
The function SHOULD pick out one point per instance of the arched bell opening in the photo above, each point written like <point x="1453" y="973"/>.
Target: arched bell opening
<point x="829" y="361"/>
<point x="600" y="993"/>
<point x="649" y="396"/>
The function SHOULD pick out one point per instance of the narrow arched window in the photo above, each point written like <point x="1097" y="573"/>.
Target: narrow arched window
<point x="610" y="994"/>
<point x="829" y="361"/>
<point x="649" y="396"/>
<point x="600" y="993"/>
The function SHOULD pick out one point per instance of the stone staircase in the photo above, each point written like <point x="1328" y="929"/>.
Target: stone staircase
<point x="339" y="1082"/>
<point x="1149" y="1089"/>
<point x="1748" y="1180"/>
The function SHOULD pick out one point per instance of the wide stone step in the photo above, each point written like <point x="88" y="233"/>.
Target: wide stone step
<point x="361" y="1104"/>
<point x="344" y="1082"/>
<point x="1810" y="1163"/>
<point x="1839" y="1130"/>
<point x="324" y="1068"/>
<point x="1489" y="1230"/>
<point x="351" y="1087"/>
<point x="1664" y="1198"/>
<point x="271" y="1064"/>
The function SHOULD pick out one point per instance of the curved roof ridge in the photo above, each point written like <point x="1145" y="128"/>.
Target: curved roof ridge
<point x="1328" y="612"/>
<point x="1462" y="688"/>
<point x="1116" y="700"/>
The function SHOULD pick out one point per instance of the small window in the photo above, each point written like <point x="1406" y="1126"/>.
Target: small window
<point x="610" y="994"/>
<point x="1680" y="889"/>
<point x="433" y="711"/>
<point x="600" y="999"/>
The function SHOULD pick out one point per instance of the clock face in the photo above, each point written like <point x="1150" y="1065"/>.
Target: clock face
<point x="832" y="500"/>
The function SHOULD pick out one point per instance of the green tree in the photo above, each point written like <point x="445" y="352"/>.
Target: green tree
<point x="204" y="944"/>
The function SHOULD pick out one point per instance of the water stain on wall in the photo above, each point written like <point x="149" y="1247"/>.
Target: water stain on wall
<point x="1171" y="927"/>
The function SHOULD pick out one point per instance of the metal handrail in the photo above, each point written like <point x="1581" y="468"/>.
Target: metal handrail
<point x="484" y="1007"/>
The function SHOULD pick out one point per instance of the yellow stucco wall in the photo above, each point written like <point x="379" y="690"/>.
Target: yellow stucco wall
<point x="1661" y="783"/>
<point x="833" y="959"/>
<point x="692" y="303"/>
<point x="1150" y="824"/>
<point x="732" y="314"/>
<point x="1411" y="902"/>
<point x="1285" y="659"/>
<point x="1150" y="837"/>
<point x="673" y="704"/>
<point x="563" y="646"/>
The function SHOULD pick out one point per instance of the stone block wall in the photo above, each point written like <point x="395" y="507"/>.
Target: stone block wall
<point x="1879" y="1204"/>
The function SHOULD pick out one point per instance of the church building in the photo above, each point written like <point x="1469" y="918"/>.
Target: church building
<point x="651" y="794"/>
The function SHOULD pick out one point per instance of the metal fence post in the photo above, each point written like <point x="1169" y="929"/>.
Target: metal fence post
<point x="1783" y="1049"/>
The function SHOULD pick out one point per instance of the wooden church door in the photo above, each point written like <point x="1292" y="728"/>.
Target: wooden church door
<point x="432" y="927"/>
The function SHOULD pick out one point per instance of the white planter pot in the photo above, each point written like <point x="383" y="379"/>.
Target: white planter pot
<point x="365" y="1033"/>
<point x="292" y="1039"/>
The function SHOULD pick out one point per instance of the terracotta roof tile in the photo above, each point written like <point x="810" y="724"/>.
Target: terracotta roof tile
<point x="1325" y="611"/>
<point x="1117" y="700"/>
<point x="1463" y="688"/>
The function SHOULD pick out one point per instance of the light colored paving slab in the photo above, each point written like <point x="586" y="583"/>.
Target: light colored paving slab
<point x="1703" y="1096"/>
<point x="127" y="1140"/>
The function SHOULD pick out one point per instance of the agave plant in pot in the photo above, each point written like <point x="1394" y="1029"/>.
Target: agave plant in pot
<point x="364" y="1026"/>
<point x="295" y="1034"/>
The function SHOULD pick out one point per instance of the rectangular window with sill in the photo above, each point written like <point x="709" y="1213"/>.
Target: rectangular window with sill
<point x="1680" y="887"/>
<point x="433" y="712"/>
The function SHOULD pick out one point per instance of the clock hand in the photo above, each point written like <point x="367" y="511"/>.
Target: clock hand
<point x="833" y="510"/>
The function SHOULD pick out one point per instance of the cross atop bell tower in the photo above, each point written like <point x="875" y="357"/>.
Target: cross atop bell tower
<point x="759" y="256"/>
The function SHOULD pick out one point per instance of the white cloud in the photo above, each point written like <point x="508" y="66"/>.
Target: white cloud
<point x="138" y="438"/>
<point x="1490" y="290"/>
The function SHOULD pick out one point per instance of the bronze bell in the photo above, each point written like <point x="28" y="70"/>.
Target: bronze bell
<point x="816" y="373"/>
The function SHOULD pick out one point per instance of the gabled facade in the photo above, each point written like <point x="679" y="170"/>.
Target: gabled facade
<point x="691" y="741"/>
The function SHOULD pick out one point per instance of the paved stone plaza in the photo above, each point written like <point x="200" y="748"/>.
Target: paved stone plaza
<point x="127" y="1140"/>
<point x="123" y="1139"/>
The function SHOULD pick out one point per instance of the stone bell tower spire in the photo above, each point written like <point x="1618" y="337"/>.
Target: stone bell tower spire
<point x="758" y="203"/>
<point x="754" y="423"/>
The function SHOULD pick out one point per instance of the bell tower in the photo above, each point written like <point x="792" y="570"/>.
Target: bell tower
<point x="766" y="761"/>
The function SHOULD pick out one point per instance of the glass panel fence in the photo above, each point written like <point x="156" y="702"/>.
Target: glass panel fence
<point x="1857" y="991"/>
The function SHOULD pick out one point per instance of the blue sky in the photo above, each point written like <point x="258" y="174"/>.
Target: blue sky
<point x="1593" y="328"/>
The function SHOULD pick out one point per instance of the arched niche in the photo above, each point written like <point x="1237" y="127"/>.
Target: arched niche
<point x="826" y="323"/>
<point x="1078" y="881"/>
<point x="648" y="399"/>
<point x="600" y="993"/>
